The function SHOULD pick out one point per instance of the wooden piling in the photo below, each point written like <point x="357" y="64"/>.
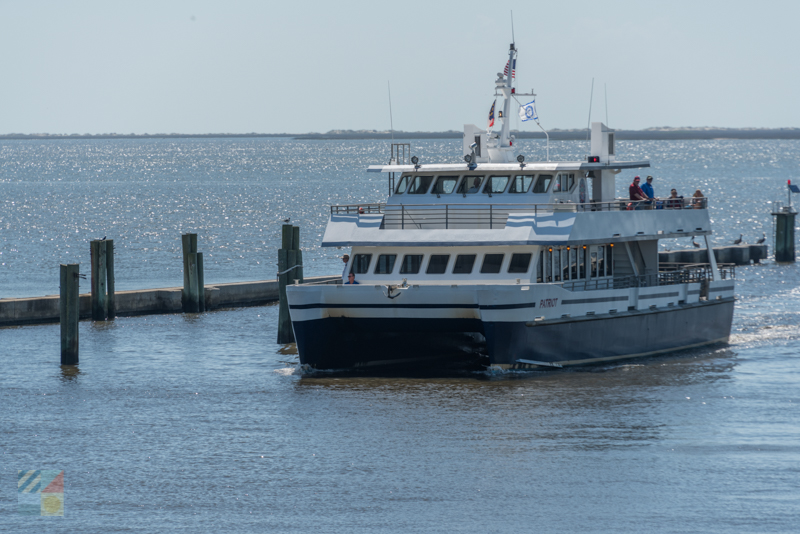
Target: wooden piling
<point x="297" y="274"/>
<point x="99" y="279"/>
<point x="285" y="332"/>
<point x="784" y="235"/>
<point x="189" y="246"/>
<point x="201" y="284"/>
<point x="192" y="300"/>
<point x="69" y="311"/>
<point x="110" y="285"/>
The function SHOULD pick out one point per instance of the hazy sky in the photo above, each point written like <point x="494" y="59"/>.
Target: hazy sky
<point x="312" y="66"/>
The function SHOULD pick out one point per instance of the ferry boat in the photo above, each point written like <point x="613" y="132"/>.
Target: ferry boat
<point x="525" y="264"/>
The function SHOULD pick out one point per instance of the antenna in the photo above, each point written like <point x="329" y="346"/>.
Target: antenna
<point x="512" y="27"/>
<point x="589" y="122"/>
<point x="391" y="121"/>
<point x="605" y="91"/>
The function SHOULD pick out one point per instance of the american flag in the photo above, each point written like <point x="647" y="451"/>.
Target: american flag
<point x="513" y="69"/>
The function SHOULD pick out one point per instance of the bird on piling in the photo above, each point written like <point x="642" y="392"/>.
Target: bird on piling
<point x="695" y="243"/>
<point x="762" y="238"/>
<point x="738" y="241"/>
<point x="286" y="220"/>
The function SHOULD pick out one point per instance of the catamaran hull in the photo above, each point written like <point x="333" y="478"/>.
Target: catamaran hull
<point x="349" y="342"/>
<point x="596" y="339"/>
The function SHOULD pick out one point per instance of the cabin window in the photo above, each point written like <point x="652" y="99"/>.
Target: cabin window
<point x="601" y="260"/>
<point x="556" y="265"/>
<point x="470" y="185"/>
<point x="573" y="263"/>
<point x="385" y="264"/>
<point x="564" y="182"/>
<point x="610" y="260"/>
<point x="519" y="263"/>
<point x="582" y="262"/>
<point x="520" y="184"/>
<point x="464" y="264"/>
<point x="403" y="185"/>
<point x="594" y="262"/>
<point x="539" y="266"/>
<point x="444" y="185"/>
<point x="542" y="183"/>
<point x="360" y="264"/>
<point x="437" y="264"/>
<point x="411" y="264"/>
<point x="548" y="265"/>
<point x="492" y="263"/>
<point x="495" y="185"/>
<point x="420" y="185"/>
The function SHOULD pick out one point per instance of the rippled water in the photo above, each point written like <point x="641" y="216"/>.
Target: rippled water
<point x="193" y="423"/>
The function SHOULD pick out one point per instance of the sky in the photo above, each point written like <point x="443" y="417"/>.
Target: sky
<point x="94" y="67"/>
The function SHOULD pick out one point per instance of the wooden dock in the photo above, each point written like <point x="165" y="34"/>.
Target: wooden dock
<point x="42" y="310"/>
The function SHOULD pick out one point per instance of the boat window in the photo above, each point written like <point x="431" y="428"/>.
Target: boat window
<point x="610" y="260"/>
<point x="573" y="263"/>
<point x="542" y="183"/>
<point x="564" y="263"/>
<point x="495" y="185"/>
<point x="582" y="262"/>
<point x="594" y="261"/>
<point x="601" y="260"/>
<point x="564" y="182"/>
<point x="401" y="187"/>
<point x="520" y="184"/>
<point x="492" y="263"/>
<point x="444" y="185"/>
<point x="385" y="264"/>
<point x="548" y="265"/>
<point x="411" y="264"/>
<point x="556" y="265"/>
<point x="361" y="264"/>
<point x="420" y="185"/>
<point x="470" y="185"/>
<point x="519" y="263"/>
<point x="437" y="264"/>
<point x="539" y="266"/>
<point x="464" y="264"/>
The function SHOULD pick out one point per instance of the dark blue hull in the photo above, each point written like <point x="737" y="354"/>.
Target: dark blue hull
<point x="341" y="342"/>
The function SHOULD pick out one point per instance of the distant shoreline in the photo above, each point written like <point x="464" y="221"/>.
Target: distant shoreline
<point x="653" y="134"/>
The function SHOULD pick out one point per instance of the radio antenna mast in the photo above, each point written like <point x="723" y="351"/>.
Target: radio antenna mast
<point x="589" y="122"/>
<point x="512" y="27"/>
<point x="605" y="91"/>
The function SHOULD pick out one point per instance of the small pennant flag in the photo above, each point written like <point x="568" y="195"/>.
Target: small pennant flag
<point x="528" y="112"/>
<point x="491" y="115"/>
<point x="513" y="68"/>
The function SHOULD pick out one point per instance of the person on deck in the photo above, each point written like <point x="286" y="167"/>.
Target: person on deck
<point x="698" y="201"/>
<point x="636" y="192"/>
<point x="351" y="279"/>
<point x="647" y="187"/>
<point x="674" y="202"/>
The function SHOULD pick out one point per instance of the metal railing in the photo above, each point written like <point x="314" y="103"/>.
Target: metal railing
<point x="680" y="274"/>
<point x="483" y="215"/>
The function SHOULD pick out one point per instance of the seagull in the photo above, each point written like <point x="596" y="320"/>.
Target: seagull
<point x="695" y="243"/>
<point x="738" y="241"/>
<point x="286" y="220"/>
<point x="762" y="238"/>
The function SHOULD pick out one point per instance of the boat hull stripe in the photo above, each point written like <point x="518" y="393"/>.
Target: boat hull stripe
<point x="594" y="300"/>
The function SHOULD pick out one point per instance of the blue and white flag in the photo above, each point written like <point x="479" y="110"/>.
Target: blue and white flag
<point x="528" y="112"/>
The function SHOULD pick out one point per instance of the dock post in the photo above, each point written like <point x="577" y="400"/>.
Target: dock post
<point x="99" y="277"/>
<point x="69" y="311"/>
<point x="110" y="285"/>
<point x="285" y="332"/>
<point x="192" y="301"/>
<point x="201" y="283"/>
<point x="297" y="274"/>
<point x="189" y="246"/>
<point x="784" y="235"/>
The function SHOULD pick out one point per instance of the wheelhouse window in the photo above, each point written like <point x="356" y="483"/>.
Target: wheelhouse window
<point x="361" y="264"/>
<point x="437" y="264"/>
<point x="385" y="264"/>
<point x="519" y="263"/>
<point x="402" y="185"/>
<point x="420" y="185"/>
<point x="520" y="184"/>
<point x="470" y="185"/>
<point x="444" y="185"/>
<point x="495" y="185"/>
<point x="564" y="182"/>
<point x="492" y="263"/>
<point x="411" y="264"/>
<point x="542" y="183"/>
<point x="464" y="264"/>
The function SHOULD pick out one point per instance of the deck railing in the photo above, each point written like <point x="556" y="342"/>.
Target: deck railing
<point x="672" y="275"/>
<point x="491" y="216"/>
